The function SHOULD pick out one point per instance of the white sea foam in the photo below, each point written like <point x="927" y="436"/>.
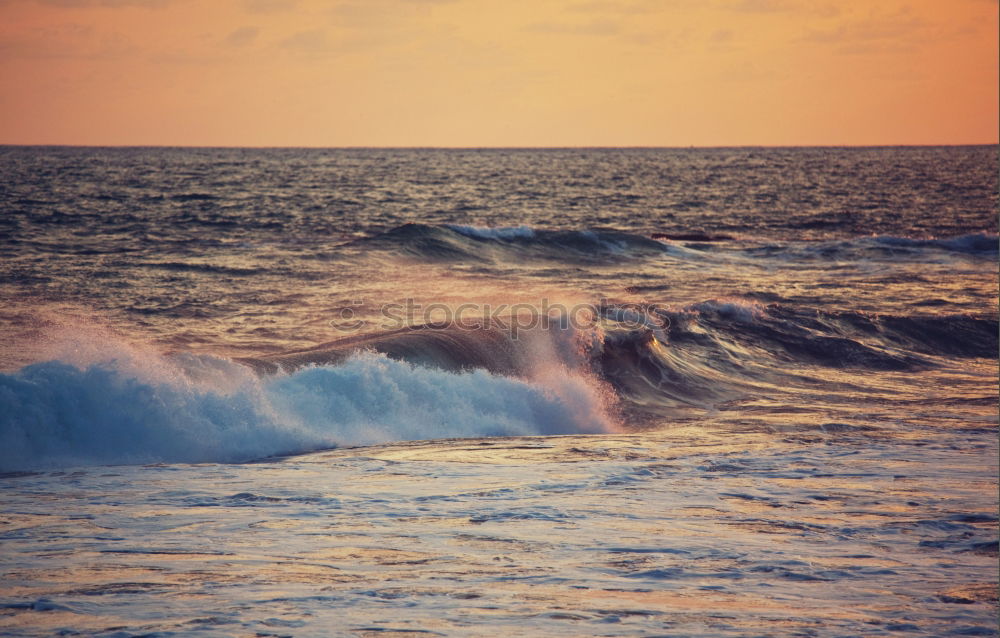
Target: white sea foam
<point x="141" y="408"/>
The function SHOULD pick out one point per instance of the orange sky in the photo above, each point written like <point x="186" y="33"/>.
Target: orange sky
<point x="498" y="72"/>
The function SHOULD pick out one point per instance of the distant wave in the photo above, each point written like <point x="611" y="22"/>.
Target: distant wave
<point x="207" y="409"/>
<point x="471" y="243"/>
<point x="458" y="243"/>
<point x="974" y="243"/>
<point x="883" y="247"/>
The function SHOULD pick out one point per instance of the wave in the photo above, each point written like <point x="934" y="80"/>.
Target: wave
<point x="836" y="339"/>
<point x="459" y="243"/>
<point x="473" y="380"/>
<point x="700" y="358"/>
<point x="882" y="248"/>
<point x="659" y="358"/>
<point x="504" y="234"/>
<point x="198" y="409"/>
<point x="974" y="243"/>
<point x="471" y="243"/>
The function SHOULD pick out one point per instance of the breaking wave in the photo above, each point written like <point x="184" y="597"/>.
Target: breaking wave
<point x="206" y="409"/>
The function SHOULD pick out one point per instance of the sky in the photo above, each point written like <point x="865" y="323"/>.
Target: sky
<point x="469" y="73"/>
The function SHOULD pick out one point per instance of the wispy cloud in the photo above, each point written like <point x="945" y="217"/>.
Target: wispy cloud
<point x="76" y="4"/>
<point x="268" y="6"/>
<point x="721" y="36"/>
<point x="312" y="42"/>
<point x="761" y="6"/>
<point x="886" y="32"/>
<point x="613" y="7"/>
<point x="242" y="37"/>
<point x="775" y="7"/>
<point x="594" y="27"/>
<point x="67" y="41"/>
<point x="381" y="13"/>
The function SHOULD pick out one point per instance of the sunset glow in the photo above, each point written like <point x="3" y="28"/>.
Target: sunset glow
<point x="487" y="73"/>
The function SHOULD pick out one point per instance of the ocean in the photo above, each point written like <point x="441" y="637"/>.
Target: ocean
<point x="540" y="392"/>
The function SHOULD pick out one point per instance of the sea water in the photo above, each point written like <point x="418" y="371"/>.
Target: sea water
<point x="469" y="392"/>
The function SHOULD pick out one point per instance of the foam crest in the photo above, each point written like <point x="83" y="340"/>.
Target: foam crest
<point x="138" y="408"/>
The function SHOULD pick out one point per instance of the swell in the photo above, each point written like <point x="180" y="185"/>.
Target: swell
<point x="836" y="339"/>
<point x="458" y="243"/>
<point x="469" y="243"/>
<point x="839" y="339"/>
<point x="881" y="248"/>
<point x="709" y="353"/>
<point x="658" y="358"/>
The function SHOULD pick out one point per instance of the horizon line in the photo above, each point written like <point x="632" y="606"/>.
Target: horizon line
<point x="513" y="147"/>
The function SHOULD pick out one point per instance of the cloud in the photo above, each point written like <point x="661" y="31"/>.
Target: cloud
<point x="611" y="6"/>
<point x="242" y="37"/>
<point x="76" y="4"/>
<point x="378" y="14"/>
<point x="405" y="3"/>
<point x="721" y="36"/>
<point x="313" y="42"/>
<point x="761" y="6"/>
<point x="268" y="6"/>
<point x="67" y="41"/>
<point x="594" y="27"/>
<point x="896" y="28"/>
<point x="764" y="7"/>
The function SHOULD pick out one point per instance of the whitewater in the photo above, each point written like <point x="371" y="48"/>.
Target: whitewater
<point x="377" y="392"/>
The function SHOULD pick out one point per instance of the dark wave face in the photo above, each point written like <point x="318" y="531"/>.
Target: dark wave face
<point x="658" y="358"/>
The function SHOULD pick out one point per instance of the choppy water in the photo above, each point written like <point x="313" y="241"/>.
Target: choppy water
<point x="745" y="391"/>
